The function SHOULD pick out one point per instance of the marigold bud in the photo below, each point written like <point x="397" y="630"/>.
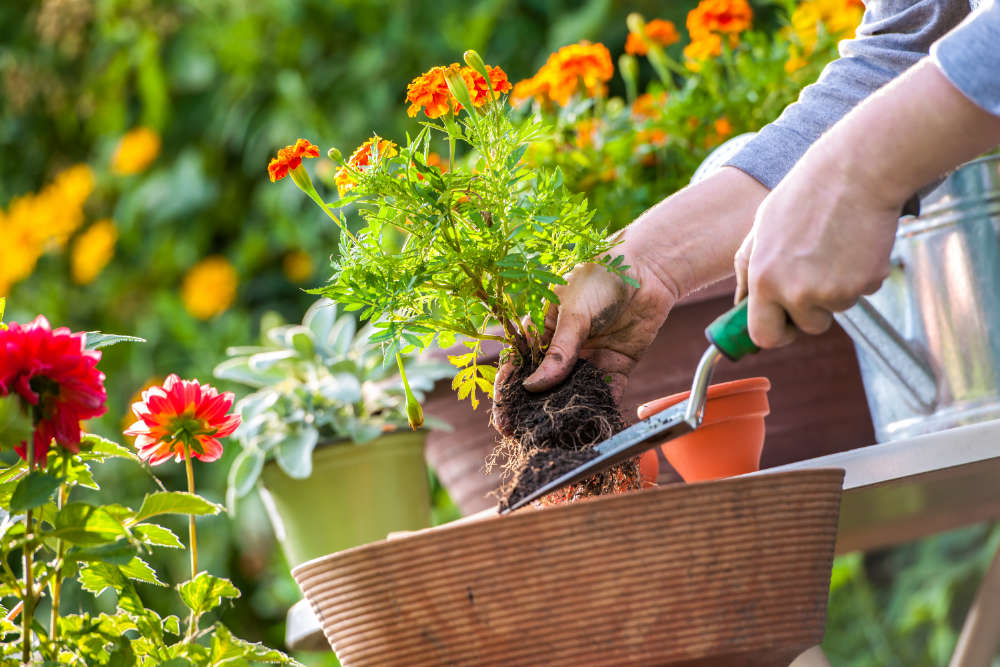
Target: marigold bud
<point x="414" y="413"/>
<point x="475" y="61"/>
<point x="335" y="155"/>
<point x="457" y="87"/>
<point x="635" y="22"/>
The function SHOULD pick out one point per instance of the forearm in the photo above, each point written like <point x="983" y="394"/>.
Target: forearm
<point x="895" y="35"/>
<point x="906" y="136"/>
<point x="688" y="240"/>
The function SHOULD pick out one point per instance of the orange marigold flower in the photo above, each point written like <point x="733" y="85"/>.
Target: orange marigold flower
<point x="700" y="50"/>
<point x="582" y="64"/>
<point x="658" y="31"/>
<point x="289" y="158"/>
<point x="479" y="92"/>
<point x="182" y="415"/>
<point x="719" y="16"/>
<point x="586" y="132"/>
<point x="361" y="159"/>
<point x="649" y="105"/>
<point x="723" y="127"/>
<point x="429" y="92"/>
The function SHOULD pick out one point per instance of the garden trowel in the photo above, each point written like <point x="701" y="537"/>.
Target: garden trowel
<point x="728" y="336"/>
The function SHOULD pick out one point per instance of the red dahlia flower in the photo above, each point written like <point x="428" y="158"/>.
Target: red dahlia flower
<point x="56" y="377"/>
<point x="182" y="413"/>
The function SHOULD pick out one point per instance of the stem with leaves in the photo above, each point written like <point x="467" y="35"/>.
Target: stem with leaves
<point x="56" y="584"/>
<point x="27" y="614"/>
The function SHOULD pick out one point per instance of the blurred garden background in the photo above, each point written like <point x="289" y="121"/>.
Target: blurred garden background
<point x="135" y="137"/>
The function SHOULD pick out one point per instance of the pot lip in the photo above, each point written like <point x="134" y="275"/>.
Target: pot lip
<point x="719" y="390"/>
<point x="531" y="517"/>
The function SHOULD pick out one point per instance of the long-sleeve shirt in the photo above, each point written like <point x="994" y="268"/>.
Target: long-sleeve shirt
<point x="893" y="36"/>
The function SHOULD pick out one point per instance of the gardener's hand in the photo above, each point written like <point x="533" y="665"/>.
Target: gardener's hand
<point x="823" y="237"/>
<point x="682" y="244"/>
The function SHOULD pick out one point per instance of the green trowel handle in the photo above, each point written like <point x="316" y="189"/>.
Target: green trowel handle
<point x="729" y="333"/>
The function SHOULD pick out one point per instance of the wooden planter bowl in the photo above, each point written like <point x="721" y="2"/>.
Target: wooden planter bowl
<point x="731" y="572"/>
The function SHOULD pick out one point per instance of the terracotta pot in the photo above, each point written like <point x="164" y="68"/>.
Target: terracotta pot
<point x="733" y="572"/>
<point x="731" y="436"/>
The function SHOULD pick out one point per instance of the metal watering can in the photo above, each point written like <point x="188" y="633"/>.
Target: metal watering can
<point x="928" y="342"/>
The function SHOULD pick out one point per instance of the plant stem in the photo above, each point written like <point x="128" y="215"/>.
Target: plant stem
<point x="192" y="533"/>
<point x="56" y="585"/>
<point x="29" y="585"/>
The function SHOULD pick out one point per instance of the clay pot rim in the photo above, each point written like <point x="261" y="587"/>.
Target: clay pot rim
<point x="720" y="390"/>
<point x="550" y="513"/>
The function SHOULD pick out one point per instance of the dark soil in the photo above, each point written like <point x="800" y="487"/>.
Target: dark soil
<point x="546" y="434"/>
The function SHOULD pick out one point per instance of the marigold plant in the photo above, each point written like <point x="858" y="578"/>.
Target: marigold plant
<point x="485" y="239"/>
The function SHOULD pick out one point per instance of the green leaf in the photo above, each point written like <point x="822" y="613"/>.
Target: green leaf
<point x="98" y="448"/>
<point x="140" y="570"/>
<point x="119" y="552"/>
<point x="156" y="535"/>
<point x="172" y="624"/>
<point x="205" y="592"/>
<point x="33" y="490"/>
<point x="227" y="648"/>
<point x="85" y="524"/>
<point x="243" y="474"/>
<point x="294" y="452"/>
<point x="97" y="577"/>
<point x="174" y="502"/>
<point x="15" y="423"/>
<point x="97" y="340"/>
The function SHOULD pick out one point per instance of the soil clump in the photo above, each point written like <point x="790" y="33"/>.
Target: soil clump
<point x="546" y="434"/>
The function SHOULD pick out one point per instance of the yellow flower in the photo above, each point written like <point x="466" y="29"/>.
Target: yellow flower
<point x="839" y="18"/>
<point x="135" y="151"/>
<point x="297" y="266"/>
<point x="92" y="251"/>
<point x="209" y="287"/>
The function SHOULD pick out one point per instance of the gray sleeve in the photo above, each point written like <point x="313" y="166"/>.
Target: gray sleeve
<point x="969" y="56"/>
<point x="894" y="35"/>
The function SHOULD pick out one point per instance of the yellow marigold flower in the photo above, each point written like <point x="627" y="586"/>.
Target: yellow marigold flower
<point x="135" y="151"/>
<point x="92" y="251"/>
<point x="360" y="160"/>
<point x="700" y="50"/>
<point x="719" y="16"/>
<point x="840" y="18"/>
<point x="658" y="31"/>
<point x="297" y="266"/>
<point x="209" y="288"/>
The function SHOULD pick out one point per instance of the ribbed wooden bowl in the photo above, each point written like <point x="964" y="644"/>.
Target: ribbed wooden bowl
<point x="733" y="572"/>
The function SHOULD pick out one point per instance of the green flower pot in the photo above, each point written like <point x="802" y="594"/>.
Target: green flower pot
<point x="355" y="495"/>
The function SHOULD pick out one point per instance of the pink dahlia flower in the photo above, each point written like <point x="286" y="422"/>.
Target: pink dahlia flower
<point x="182" y="413"/>
<point x="56" y="377"/>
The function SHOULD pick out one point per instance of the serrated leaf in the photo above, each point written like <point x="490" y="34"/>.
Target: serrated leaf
<point x="119" y="552"/>
<point x="205" y="592"/>
<point x="174" y="502"/>
<point x="96" y="340"/>
<point x="460" y="360"/>
<point x="95" y="447"/>
<point x="87" y="525"/>
<point x="156" y="535"/>
<point x="140" y="570"/>
<point x="227" y="648"/>
<point x="172" y="624"/>
<point x="33" y="490"/>
<point x="97" y="577"/>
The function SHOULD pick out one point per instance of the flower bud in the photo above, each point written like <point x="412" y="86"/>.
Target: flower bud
<point x="475" y="61"/>
<point x="457" y="87"/>
<point x="335" y="155"/>
<point x="636" y="23"/>
<point x="414" y="413"/>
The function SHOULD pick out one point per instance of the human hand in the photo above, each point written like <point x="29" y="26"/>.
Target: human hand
<point x="682" y="244"/>
<point x="823" y="237"/>
<point x="819" y="241"/>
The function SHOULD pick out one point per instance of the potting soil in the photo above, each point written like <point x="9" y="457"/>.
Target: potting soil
<point x="546" y="434"/>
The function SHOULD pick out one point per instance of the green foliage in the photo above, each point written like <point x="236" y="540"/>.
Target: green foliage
<point x="103" y="546"/>
<point x="319" y="381"/>
<point x="96" y="340"/>
<point x="485" y="241"/>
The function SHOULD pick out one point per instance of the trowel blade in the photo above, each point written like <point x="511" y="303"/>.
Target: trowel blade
<point x="634" y="440"/>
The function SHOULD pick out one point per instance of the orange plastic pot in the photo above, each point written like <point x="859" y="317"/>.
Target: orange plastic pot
<point x="731" y="436"/>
